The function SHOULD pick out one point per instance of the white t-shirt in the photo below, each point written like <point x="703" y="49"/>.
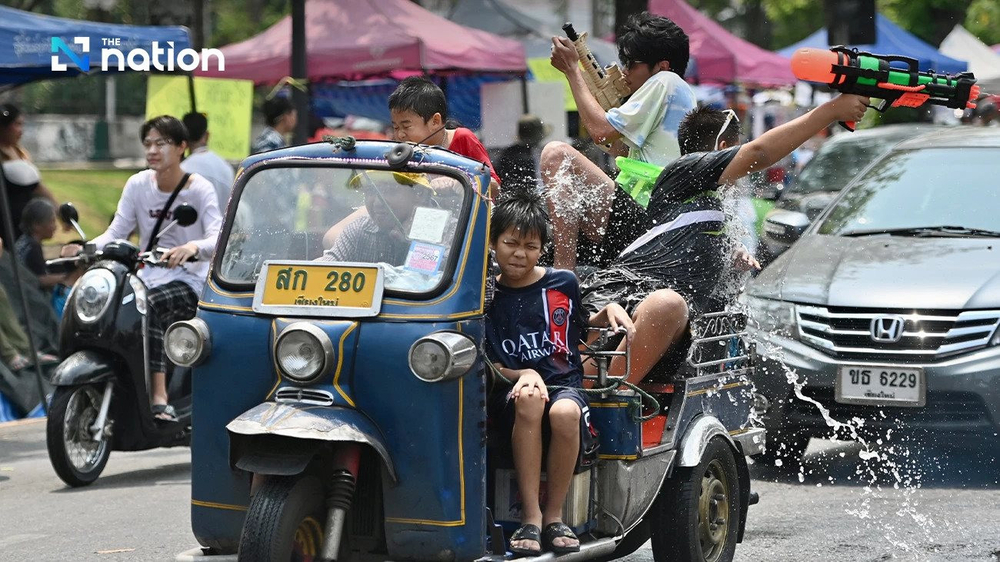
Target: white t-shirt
<point x="215" y="169"/>
<point x="648" y="121"/>
<point x="141" y="204"/>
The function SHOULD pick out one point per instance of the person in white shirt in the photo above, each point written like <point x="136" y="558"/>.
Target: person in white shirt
<point x="203" y="161"/>
<point x="173" y="289"/>
<point x="584" y="202"/>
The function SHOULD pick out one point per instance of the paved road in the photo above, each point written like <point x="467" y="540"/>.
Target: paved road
<point x="843" y="509"/>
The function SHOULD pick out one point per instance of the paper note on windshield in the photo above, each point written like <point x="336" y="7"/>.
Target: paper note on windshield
<point x="429" y="224"/>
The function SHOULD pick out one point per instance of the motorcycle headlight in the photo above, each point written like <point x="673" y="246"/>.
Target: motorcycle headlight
<point x="93" y="294"/>
<point x="772" y="316"/>
<point x="304" y="352"/>
<point x="442" y="356"/>
<point x="187" y="343"/>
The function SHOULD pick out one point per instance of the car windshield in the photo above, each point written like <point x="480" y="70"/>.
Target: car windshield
<point x="836" y="164"/>
<point x="934" y="191"/>
<point x="406" y="221"/>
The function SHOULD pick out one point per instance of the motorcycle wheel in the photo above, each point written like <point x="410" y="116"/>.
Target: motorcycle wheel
<point x="285" y="521"/>
<point x="76" y="458"/>
<point x="696" y="515"/>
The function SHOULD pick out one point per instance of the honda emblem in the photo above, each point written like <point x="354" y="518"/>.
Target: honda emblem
<point x="887" y="329"/>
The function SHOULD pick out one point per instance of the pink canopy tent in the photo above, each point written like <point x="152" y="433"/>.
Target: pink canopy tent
<point x="720" y="56"/>
<point x="370" y="37"/>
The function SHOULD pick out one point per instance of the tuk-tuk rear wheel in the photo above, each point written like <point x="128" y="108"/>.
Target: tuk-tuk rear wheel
<point x="284" y="521"/>
<point x="696" y="516"/>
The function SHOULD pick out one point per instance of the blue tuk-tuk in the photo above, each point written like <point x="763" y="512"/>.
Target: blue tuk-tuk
<point x="340" y="387"/>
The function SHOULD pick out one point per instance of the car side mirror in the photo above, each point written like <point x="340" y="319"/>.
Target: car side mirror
<point x="786" y="226"/>
<point x="185" y="215"/>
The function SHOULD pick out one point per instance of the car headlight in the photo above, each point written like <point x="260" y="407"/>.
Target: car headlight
<point x="187" y="343"/>
<point x="442" y="356"/>
<point x="772" y="316"/>
<point x="139" y="288"/>
<point x="93" y="294"/>
<point x="304" y="352"/>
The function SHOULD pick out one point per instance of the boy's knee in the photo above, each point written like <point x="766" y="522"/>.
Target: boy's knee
<point x="665" y="306"/>
<point x="529" y="408"/>
<point x="555" y="152"/>
<point x="564" y="417"/>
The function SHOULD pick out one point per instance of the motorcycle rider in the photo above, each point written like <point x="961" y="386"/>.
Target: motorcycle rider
<point x="173" y="289"/>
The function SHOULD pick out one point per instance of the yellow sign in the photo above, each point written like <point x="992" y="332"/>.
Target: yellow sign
<point x="543" y="71"/>
<point x="320" y="285"/>
<point x="226" y="103"/>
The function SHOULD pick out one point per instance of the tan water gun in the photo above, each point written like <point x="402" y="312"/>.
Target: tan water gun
<point x="607" y="84"/>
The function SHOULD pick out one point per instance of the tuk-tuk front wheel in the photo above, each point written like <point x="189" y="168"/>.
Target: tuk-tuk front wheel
<point x="284" y="521"/>
<point x="696" y="516"/>
<point x="76" y="457"/>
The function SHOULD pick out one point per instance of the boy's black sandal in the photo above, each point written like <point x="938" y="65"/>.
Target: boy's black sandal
<point x="554" y="531"/>
<point x="527" y="532"/>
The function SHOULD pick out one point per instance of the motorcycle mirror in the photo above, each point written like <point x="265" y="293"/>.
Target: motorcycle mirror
<point x="70" y="216"/>
<point x="67" y="212"/>
<point x="185" y="215"/>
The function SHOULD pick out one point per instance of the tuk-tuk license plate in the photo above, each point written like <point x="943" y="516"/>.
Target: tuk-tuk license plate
<point x="319" y="289"/>
<point x="881" y="385"/>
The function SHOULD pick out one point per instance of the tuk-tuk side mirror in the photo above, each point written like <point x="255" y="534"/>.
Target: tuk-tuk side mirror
<point x="786" y="226"/>
<point x="185" y="215"/>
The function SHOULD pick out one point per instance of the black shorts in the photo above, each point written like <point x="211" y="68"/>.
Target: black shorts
<point x="693" y="265"/>
<point x="502" y="414"/>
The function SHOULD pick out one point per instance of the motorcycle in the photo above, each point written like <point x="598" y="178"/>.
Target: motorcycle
<point x="340" y="400"/>
<point x="101" y="402"/>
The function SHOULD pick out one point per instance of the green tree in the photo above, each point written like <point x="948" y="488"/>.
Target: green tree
<point x="983" y="20"/>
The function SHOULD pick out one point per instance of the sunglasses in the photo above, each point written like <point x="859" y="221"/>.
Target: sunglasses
<point x="730" y="115"/>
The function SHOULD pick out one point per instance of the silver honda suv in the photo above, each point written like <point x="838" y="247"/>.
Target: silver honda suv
<point x="886" y="309"/>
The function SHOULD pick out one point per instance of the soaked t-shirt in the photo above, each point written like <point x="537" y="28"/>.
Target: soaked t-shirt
<point x="539" y="327"/>
<point x="682" y="247"/>
<point x="648" y="121"/>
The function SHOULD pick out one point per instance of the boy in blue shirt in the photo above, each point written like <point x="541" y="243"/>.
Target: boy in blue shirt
<point x="533" y="329"/>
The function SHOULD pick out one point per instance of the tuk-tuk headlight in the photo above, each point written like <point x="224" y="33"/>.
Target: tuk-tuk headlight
<point x="442" y="356"/>
<point x="93" y="294"/>
<point x="187" y="343"/>
<point x="304" y="352"/>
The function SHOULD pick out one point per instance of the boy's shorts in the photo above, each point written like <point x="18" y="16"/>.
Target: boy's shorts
<point x="502" y="413"/>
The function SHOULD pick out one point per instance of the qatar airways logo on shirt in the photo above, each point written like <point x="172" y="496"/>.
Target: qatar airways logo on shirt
<point x="162" y="58"/>
<point x="535" y="345"/>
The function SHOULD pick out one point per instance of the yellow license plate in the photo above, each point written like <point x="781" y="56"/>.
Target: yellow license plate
<point x="319" y="289"/>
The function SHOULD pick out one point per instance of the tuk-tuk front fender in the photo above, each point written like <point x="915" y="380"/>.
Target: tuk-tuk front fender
<point x="694" y="442"/>
<point x="282" y="438"/>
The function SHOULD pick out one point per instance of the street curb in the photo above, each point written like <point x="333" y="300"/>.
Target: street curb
<point x="26" y="421"/>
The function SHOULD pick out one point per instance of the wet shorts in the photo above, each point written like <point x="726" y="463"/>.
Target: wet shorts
<point x="502" y="415"/>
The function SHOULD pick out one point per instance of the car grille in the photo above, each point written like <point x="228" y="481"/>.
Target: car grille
<point x="304" y="395"/>
<point x="846" y="333"/>
<point x="958" y="411"/>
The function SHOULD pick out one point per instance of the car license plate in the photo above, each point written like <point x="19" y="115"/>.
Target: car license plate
<point x="319" y="289"/>
<point x="881" y="385"/>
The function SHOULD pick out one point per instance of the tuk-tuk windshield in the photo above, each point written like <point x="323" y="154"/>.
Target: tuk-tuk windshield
<point x="406" y="221"/>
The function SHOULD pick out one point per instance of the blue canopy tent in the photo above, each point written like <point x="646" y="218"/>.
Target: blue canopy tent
<point x="890" y="40"/>
<point x="26" y="55"/>
<point x="26" y="43"/>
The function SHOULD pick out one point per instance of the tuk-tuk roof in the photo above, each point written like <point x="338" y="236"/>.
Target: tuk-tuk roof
<point x="374" y="152"/>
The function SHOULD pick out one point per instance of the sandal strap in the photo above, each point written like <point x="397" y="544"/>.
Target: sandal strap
<point x="527" y="532"/>
<point x="558" y="529"/>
